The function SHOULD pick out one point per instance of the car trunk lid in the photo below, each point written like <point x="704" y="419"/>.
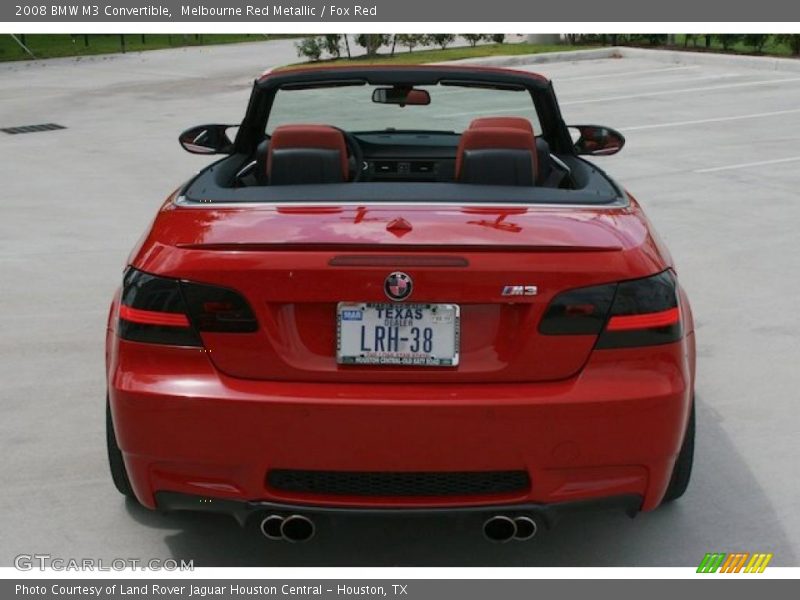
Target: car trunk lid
<point x="295" y="264"/>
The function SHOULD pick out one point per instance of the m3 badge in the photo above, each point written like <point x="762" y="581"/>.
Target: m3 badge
<point x="519" y="290"/>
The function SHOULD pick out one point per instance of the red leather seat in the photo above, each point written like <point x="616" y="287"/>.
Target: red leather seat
<point x="496" y="156"/>
<point x="306" y="154"/>
<point x="512" y="122"/>
<point x="543" y="166"/>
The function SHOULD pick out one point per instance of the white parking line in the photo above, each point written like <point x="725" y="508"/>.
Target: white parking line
<point x="746" y="165"/>
<point x="622" y="74"/>
<point x="713" y="120"/>
<point x="708" y="88"/>
<point x="661" y="80"/>
<point x="673" y="92"/>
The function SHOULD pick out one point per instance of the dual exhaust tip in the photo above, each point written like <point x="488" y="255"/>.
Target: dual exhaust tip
<point x="299" y="528"/>
<point x="504" y="529"/>
<point x="294" y="528"/>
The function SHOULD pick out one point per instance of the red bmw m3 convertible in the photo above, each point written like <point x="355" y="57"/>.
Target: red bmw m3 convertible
<point x="401" y="291"/>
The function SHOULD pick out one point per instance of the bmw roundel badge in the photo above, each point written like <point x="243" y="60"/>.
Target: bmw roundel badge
<point x="398" y="286"/>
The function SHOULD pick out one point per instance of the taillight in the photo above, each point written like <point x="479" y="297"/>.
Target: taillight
<point x="218" y="309"/>
<point x="641" y="312"/>
<point x="152" y="310"/>
<point x="161" y="310"/>
<point x="645" y="312"/>
<point x="582" y="311"/>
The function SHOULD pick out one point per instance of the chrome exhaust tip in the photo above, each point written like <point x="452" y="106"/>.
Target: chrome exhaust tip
<point x="526" y="528"/>
<point x="297" y="528"/>
<point x="499" y="529"/>
<point x="271" y="527"/>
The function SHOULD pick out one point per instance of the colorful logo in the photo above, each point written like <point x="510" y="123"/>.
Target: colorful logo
<point x="398" y="286"/>
<point x="738" y="562"/>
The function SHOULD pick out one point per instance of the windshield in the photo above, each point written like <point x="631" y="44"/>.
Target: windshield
<point x="351" y="108"/>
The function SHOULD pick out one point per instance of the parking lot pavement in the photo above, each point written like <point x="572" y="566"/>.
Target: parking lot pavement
<point x="712" y="154"/>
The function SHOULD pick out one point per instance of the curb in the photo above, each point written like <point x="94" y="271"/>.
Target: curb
<point x="541" y="58"/>
<point x="761" y="63"/>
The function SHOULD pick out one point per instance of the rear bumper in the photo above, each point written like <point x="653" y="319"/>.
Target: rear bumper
<point x="612" y="431"/>
<point x="243" y="511"/>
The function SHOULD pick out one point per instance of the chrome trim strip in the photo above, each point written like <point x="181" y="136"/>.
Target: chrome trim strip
<point x="245" y="170"/>
<point x="182" y="202"/>
<point x="564" y="166"/>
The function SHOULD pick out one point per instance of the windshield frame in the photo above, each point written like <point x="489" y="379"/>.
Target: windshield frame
<point x="441" y="116"/>
<point x="540" y="89"/>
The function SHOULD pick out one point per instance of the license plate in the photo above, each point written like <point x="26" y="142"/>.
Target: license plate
<point x="420" y="335"/>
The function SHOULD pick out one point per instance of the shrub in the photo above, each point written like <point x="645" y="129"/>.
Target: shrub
<point x="655" y="39"/>
<point x="728" y="40"/>
<point x="756" y="41"/>
<point x="792" y="40"/>
<point x="310" y="48"/>
<point x="498" y="38"/>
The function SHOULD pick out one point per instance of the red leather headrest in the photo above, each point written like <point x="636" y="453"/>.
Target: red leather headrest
<point x="309" y="136"/>
<point x="511" y="122"/>
<point x="496" y="138"/>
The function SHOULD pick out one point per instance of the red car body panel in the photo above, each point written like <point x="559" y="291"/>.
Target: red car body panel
<point x="186" y="427"/>
<point x="614" y="428"/>
<point x="585" y="423"/>
<point x="295" y="288"/>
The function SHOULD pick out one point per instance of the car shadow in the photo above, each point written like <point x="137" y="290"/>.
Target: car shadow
<point x="715" y="515"/>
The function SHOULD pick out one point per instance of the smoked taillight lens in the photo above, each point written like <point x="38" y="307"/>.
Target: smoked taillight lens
<point x="645" y="312"/>
<point x="581" y="311"/>
<point x="218" y="309"/>
<point x="163" y="310"/>
<point x="639" y="312"/>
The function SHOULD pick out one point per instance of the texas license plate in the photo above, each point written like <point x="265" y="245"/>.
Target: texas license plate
<point x="424" y="335"/>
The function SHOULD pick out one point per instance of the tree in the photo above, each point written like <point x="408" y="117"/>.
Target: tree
<point x="310" y="48"/>
<point x="372" y="42"/>
<point x="656" y="39"/>
<point x="498" y="38"/>
<point x="756" y="41"/>
<point x="728" y="40"/>
<point x="410" y="40"/>
<point x="443" y="40"/>
<point x="792" y="40"/>
<point x="473" y="38"/>
<point x="331" y="43"/>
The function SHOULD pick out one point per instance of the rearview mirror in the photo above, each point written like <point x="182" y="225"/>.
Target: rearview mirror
<point x="597" y="140"/>
<point x="207" y="139"/>
<point x="402" y="96"/>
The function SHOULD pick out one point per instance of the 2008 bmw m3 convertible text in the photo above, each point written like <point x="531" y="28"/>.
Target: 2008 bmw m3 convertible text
<point x="378" y="301"/>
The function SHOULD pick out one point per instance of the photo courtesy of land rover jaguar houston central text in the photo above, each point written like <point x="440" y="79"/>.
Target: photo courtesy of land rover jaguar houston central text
<point x="378" y="301"/>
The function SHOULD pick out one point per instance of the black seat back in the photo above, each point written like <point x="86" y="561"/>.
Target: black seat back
<point x="293" y="166"/>
<point x="497" y="167"/>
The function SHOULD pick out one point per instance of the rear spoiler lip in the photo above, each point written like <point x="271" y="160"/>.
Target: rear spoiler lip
<point x="356" y="247"/>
